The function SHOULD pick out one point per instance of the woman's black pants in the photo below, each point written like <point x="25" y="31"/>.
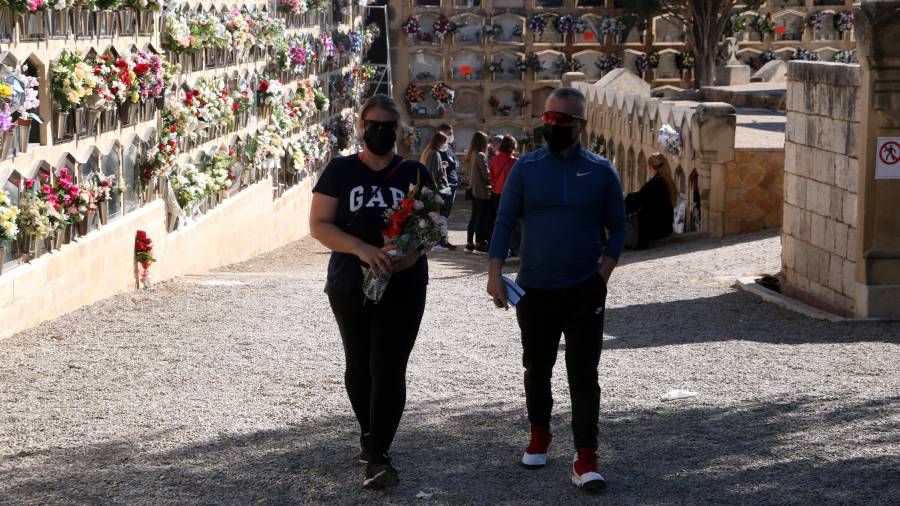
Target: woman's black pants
<point x="478" y="221"/>
<point x="378" y="339"/>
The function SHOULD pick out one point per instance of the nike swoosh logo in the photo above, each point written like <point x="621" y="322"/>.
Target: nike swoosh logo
<point x="579" y="174"/>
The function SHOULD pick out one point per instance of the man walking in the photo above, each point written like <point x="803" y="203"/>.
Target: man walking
<point x="565" y="197"/>
<point x="449" y="157"/>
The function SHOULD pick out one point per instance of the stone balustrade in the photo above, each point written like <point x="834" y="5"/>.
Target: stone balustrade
<point x="726" y="190"/>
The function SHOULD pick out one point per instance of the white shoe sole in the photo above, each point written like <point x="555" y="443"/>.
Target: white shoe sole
<point x="536" y="460"/>
<point x="597" y="485"/>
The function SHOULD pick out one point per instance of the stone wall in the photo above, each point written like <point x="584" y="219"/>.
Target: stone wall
<point x="753" y="185"/>
<point x="820" y="186"/>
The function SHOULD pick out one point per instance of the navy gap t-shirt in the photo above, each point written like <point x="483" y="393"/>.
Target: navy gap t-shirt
<point x="349" y="180"/>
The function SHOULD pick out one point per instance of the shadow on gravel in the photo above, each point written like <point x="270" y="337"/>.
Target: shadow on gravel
<point x="731" y="316"/>
<point x="785" y="451"/>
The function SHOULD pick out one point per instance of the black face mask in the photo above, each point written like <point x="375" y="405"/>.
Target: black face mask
<point x="380" y="139"/>
<point x="558" y="137"/>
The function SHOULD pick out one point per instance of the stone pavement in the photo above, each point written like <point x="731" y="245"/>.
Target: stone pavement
<point x="226" y="388"/>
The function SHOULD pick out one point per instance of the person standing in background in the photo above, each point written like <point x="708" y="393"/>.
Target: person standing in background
<point x="494" y="148"/>
<point x="452" y="169"/>
<point x="437" y="167"/>
<point x="480" y="189"/>
<point x="500" y="167"/>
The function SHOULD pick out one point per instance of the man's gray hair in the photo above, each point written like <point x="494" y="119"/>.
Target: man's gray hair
<point x="497" y="138"/>
<point x="571" y="94"/>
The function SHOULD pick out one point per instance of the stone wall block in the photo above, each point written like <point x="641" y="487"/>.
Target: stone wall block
<point x="835" y="211"/>
<point x="839" y="246"/>
<point x="841" y="171"/>
<point x="849" y="208"/>
<point x="788" y="251"/>
<point x="852" y="174"/>
<point x="848" y="283"/>
<point x="817" y="235"/>
<point x="836" y="273"/>
<point x="851" y="244"/>
<point x="790" y="158"/>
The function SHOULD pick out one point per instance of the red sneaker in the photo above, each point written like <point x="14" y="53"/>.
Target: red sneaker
<point x="584" y="471"/>
<point x="535" y="455"/>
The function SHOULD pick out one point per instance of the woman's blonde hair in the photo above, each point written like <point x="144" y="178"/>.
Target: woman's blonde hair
<point x="437" y="140"/>
<point x="661" y="165"/>
<point x="382" y="102"/>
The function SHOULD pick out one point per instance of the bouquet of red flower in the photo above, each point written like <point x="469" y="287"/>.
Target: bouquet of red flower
<point x="415" y="223"/>
<point x="143" y="254"/>
<point x="442" y="94"/>
<point x="414" y="93"/>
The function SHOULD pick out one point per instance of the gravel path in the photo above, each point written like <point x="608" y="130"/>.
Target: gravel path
<point x="227" y="388"/>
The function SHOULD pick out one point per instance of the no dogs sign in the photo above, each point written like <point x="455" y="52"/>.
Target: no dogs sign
<point x="887" y="158"/>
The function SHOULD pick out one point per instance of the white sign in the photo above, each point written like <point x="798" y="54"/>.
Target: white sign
<point x="887" y="158"/>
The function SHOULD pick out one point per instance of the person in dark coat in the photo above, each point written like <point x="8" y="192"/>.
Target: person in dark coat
<point x="651" y="209"/>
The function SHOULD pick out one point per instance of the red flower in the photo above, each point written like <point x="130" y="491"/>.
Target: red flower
<point x="173" y="129"/>
<point x="140" y="68"/>
<point x="264" y="86"/>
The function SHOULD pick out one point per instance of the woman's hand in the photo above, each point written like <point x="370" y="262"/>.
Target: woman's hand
<point x="377" y="258"/>
<point x="404" y="262"/>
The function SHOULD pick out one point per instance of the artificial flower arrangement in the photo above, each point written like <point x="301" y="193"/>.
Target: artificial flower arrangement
<point x="520" y="100"/>
<point x="21" y="7"/>
<point x="518" y="31"/>
<point x="217" y="168"/>
<point x="764" y="25"/>
<point x="143" y="255"/>
<point x="321" y="99"/>
<point x="162" y="159"/>
<point x="101" y="186"/>
<point x="240" y="26"/>
<point x="805" y="55"/>
<point x="815" y="20"/>
<point x="493" y="31"/>
<point x="498" y="108"/>
<point x="653" y="59"/>
<point x="285" y="118"/>
<point x="265" y="147"/>
<point x="145" y="5"/>
<point x="608" y="26"/>
<point x="669" y="139"/>
<point x="684" y="60"/>
<point x="72" y="81"/>
<point x="295" y="6"/>
<point x="8" y="216"/>
<point x="415" y="223"/>
<point x="442" y="94"/>
<point x="495" y="66"/>
<point x="642" y="63"/>
<point x="341" y="128"/>
<point x="345" y="86"/>
<point x="190" y="186"/>
<point x="108" y="5"/>
<point x="736" y="24"/>
<point x="414" y="93"/>
<point x="116" y="83"/>
<point x="211" y="102"/>
<point x="843" y="22"/>
<point x="441" y="27"/>
<point x="534" y="63"/>
<point x="370" y="34"/>
<point x="844" y="57"/>
<point x="304" y="101"/>
<point x="411" y="27"/>
<point x="521" y="64"/>
<point x="609" y="62"/>
<point x="564" y="64"/>
<point x="75" y="203"/>
<point x="38" y="209"/>
<point x="270" y="92"/>
<point x="326" y="47"/>
<point x="537" y="24"/>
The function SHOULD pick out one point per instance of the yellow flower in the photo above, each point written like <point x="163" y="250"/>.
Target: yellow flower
<point x="67" y="82"/>
<point x="135" y="97"/>
<point x="5" y="90"/>
<point x="79" y="73"/>
<point x="132" y="75"/>
<point x="73" y="96"/>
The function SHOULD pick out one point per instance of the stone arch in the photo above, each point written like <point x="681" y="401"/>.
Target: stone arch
<point x="547" y="58"/>
<point x="629" y="60"/>
<point x="470" y="31"/>
<point x="668" y="30"/>
<point x="426" y="65"/>
<point x="592" y="34"/>
<point x="426" y="24"/>
<point x="507" y="61"/>
<point x="510" y="23"/>
<point x="789" y="25"/>
<point x="468" y="103"/>
<point x="667" y="68"/>
<point x="589" y="59"/>
<point x="550" y="35"/>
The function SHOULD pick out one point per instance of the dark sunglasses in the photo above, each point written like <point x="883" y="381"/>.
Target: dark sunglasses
<point x="371" y="124"/>
<point x="559" y="118"/>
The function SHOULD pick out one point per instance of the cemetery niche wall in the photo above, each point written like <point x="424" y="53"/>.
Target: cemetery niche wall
<point x="533" y="42"/>
<point x="115" y="114"/>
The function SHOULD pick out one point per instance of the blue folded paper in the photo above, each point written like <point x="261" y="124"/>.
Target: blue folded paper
<point x="514" y="292"/>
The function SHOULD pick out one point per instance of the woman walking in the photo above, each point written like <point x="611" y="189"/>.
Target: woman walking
<point x="480" y="188"/>
<point x="347" y="216"/>
<point x="651" y="209"/>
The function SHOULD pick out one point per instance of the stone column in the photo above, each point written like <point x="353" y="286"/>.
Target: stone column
<point x="878" y="209"/>
<point x="713" y="128"/>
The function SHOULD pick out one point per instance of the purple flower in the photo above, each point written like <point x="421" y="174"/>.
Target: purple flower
<point x="6" y="123"/>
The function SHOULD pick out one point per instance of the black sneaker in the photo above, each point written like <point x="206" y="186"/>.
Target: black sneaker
<point x="470" y="247"/>
<point x="450" y="247"/>
<point x="380" y="476"/>
<point x="364" y="456"/>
